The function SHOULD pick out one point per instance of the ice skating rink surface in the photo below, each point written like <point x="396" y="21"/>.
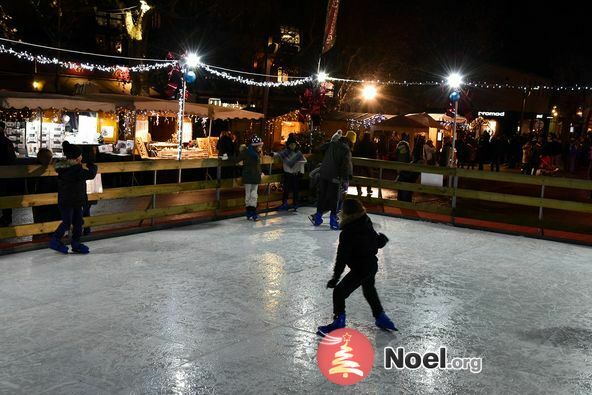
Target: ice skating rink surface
<point x="232" y="307"/>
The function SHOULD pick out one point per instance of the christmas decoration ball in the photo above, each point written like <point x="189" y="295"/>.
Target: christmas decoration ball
<point x="66" y="118"/>
<point x="454" y="96"/>
<point x="190" y="77"/>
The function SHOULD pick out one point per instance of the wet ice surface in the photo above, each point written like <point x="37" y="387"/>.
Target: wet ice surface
<point x="232" y="307"/>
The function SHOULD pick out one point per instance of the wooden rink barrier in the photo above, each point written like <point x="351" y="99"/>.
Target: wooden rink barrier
<point x="216" y="185"/>
<point x="445" y="209"/>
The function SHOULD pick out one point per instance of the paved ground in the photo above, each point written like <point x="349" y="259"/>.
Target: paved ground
<point x="232" y="307"/>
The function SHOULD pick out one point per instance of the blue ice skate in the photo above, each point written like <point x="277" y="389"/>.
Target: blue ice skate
<point x="333" y="222"/>
<point x="58" y="246"/>
<point x="316" y="219"/>
<point x="384" y="322"/>
<point x="80" y="248"/>
<point x="338" y="323"/>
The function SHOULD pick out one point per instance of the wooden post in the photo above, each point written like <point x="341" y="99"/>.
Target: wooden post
<point x="541" y="226"/>
<point x="153" y="199"/>
<point x="454" y="190"/>
<point x="218" y="186"/>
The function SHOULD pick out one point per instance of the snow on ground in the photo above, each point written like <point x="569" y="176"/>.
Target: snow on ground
<point x="232" y="307"/>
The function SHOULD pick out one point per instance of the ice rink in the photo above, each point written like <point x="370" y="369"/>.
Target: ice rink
<point x="232" y="307"/>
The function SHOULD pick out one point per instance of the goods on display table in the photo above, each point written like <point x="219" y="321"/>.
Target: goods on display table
<point x="162" y="150"/>
<point x="15" y="131"/>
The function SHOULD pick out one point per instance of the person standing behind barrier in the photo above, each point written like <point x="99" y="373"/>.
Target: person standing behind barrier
<point x="404" y="155"/>
<point x="293" y="164"/>
<point x="7" y="185"/>
<point x="336" y="171"/>
<point x="429" y="153"/>
<point x="365" y="149"/>
<point x="483" y="149"/>
<point x="71" y="198"/>
<point x="226" y="149"/>
<point x="50" y="212"/>
<point x="251" y="158"/>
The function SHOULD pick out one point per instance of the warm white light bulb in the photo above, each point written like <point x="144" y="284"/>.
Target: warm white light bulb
<point x="369" y="92"/>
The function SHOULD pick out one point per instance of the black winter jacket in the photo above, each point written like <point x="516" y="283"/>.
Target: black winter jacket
<point x="337" y="162"/>
<point x="358" y="245"/>
<point x="72" y="183"/>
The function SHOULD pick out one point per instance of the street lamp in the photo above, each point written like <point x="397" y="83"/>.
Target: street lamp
<point x="191" y="61"/>
<point x="369" y="92"/>
<point x="322" y="77"/>
<point x="454" y="82"/>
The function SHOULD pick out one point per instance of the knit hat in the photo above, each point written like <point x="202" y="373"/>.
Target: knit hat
<point x="351" y="136"/>
<point x="71" y="151"/>
<point x="256" y="140"/>
<point x="338" y="134"/>
<point x="352" y="206"/>
<point x="291" y="139"/>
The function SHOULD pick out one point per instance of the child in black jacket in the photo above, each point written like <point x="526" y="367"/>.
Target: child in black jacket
<point x="358" y="246"/>
<point x="71" y="198"/>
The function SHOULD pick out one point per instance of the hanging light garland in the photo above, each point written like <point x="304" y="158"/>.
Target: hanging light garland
<point x="237" y="75"/>
<point x="246" y="81"/>
<point x="41" y="59"/>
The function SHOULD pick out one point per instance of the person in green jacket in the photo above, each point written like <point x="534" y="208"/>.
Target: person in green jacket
<point x="251" y="158"/>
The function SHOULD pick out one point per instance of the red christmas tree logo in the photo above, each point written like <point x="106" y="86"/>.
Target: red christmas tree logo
<point x="345" y="357"/>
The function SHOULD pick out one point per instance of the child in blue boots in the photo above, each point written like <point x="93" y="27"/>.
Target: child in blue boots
<point x="71" y="198"/>
<point x="358" y="246"/>
<point x="251" y="158"/>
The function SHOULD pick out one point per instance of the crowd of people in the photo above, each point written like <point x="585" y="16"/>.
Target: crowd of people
<point x="532" y="154"/>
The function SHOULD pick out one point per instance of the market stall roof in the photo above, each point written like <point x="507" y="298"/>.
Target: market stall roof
<point x="355" y="116"/>
<point x="446" y="118"/>
<point x="401" y="122"/>
<point x="425" y="119"/>
<point x="144" y="103"/>
<point x="45" y="101"/>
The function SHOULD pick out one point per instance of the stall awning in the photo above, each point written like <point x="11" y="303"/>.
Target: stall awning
<point x="401" y="122"/>
<point x="426" y="120"/>
<point x="143" y="103"/>
<point x="352" y="116"/>
<point x="45" y="101"/>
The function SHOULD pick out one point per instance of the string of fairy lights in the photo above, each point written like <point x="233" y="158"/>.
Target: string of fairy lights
<point x="238" y="76"/>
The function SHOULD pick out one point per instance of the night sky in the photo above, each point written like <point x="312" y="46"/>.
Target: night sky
<point x="401" y="39"/>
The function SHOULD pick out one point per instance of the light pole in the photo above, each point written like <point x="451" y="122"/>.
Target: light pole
<point x="454" y="82"/>
<point x="191" y="61"/>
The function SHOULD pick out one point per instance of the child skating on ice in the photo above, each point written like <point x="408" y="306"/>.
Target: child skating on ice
<point x="71" y="198"/>
<point x="293" y="163"/>
<point x="251" y="158"/>
<point x="358" y="246"/>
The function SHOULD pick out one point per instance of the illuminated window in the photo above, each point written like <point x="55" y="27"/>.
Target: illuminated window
<point x="282" y="76"/>
<point x="290" y="36"/>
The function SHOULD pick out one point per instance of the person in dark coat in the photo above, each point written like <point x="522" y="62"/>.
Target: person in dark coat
<point x="251" y="158"/>
<point x="226" y="149"/>
<point x="293" y="164"/>
<point x="7" y="186"/>
<point x="72" y="198"/>
<point x="365" y="149"/>
<point x="358" y="245"/>
<point x="404" y="155"/>
<point x="336" y="171"/>
<point x="50" y="212"/>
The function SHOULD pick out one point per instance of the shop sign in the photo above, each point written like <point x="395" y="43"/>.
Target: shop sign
<point x="491" y="114"/>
